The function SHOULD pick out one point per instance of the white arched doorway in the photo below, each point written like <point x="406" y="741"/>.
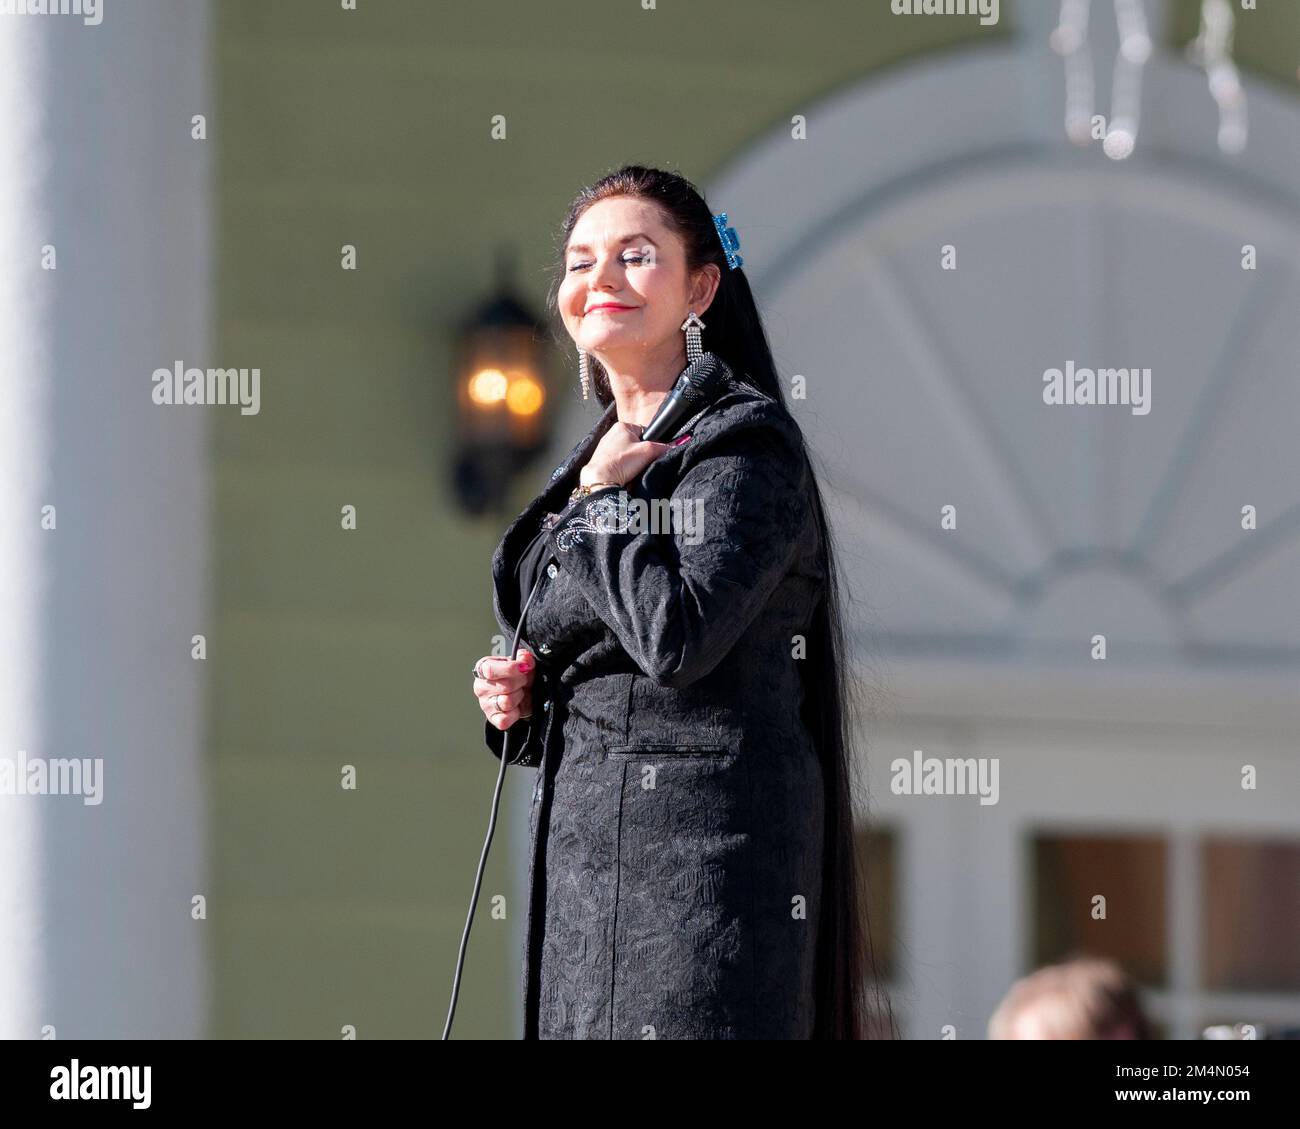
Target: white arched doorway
<point x="924" y="390"/>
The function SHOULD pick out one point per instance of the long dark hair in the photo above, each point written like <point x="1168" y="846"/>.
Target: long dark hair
<point x="734" y="331"/>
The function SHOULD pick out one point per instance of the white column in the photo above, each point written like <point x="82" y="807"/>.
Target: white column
<point x="99" y="941"/>
<point x="24" y="484"/>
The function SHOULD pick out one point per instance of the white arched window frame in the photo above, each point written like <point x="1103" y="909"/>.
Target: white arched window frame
<point x="925" y="385"/>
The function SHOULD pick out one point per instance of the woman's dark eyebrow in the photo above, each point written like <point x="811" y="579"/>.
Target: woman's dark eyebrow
<point x="625" y="239"/>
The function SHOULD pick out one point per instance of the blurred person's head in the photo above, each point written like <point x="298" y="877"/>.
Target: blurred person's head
<point x="1082" y="998"/>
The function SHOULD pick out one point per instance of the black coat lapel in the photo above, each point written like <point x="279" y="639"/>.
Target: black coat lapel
<point x="520" y="531"/>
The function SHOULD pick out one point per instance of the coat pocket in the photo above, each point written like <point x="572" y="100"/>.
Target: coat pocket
<point x="648" y="751"/>
<point x="703" y="715"/>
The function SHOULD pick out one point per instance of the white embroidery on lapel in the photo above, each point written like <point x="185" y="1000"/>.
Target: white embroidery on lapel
<point x="603" y="515"/>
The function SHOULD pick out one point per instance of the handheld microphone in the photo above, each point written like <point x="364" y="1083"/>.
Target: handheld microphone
<point x="697" y="385"/>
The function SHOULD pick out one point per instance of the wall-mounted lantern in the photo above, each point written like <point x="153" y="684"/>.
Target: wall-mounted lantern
<point x="502" y="397"/>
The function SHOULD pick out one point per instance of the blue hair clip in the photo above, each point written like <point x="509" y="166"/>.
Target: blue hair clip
<point x="730" y="241"/>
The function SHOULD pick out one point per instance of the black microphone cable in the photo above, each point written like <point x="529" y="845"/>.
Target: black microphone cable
<point x="492" y="823"/>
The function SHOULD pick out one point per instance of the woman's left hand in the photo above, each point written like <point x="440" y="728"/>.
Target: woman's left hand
<point x="620" y="456"/>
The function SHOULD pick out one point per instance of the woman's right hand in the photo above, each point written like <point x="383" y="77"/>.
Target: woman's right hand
<point x="505" y="693"/>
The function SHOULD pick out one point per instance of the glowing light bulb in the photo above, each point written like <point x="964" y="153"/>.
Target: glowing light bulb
<point x="1118" y="145"/>
<point x="488" y="386"/>
<point x="525" y="396"/>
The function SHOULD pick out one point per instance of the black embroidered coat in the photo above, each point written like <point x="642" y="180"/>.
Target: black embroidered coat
<point x="677" y="818"/>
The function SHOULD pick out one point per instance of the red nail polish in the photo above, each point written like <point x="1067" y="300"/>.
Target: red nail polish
<point x="679" y="442"/>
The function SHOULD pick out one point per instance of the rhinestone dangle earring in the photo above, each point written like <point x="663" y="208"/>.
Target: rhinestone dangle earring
<point x="584" y="373"/>
<point x="691" y="327"/>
